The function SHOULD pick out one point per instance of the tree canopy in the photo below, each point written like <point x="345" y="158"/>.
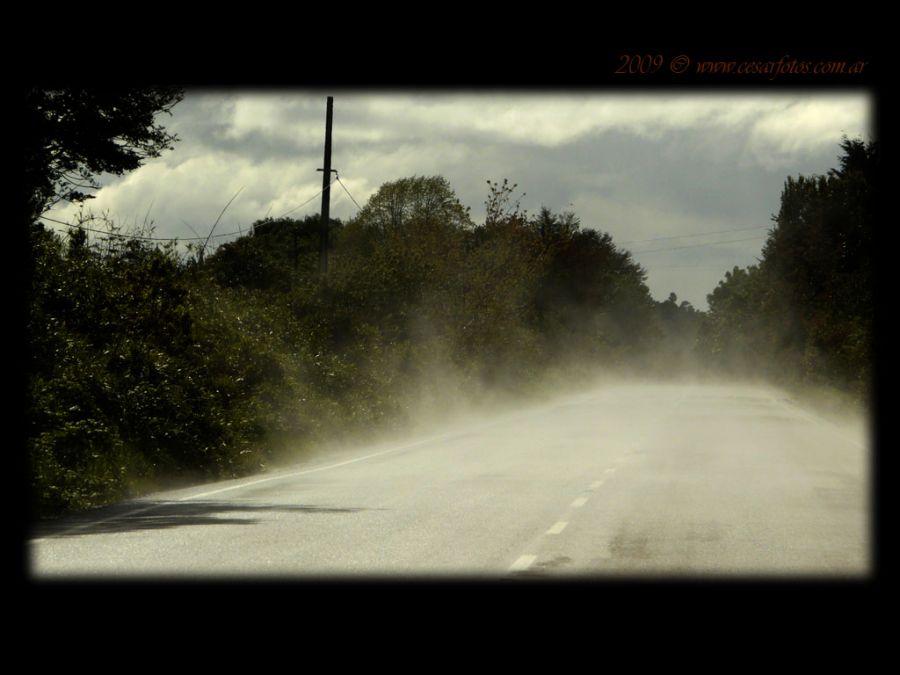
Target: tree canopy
<point x="72" y="135"/>
<point x="806" y="311"/>
<point x="416" y="199"/>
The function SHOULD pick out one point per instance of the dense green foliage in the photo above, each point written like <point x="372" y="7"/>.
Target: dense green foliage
<point x="123" y="385"/>
<point x="804" y="314"/>
<point x="146" y="367"/>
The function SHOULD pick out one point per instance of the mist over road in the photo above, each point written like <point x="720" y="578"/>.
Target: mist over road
<point x="641" y="479"/>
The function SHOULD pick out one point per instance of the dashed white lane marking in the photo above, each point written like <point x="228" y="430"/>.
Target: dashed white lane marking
<point x="559" y="527"/>
<point x="578" y="503"/>
<point x="523" y="563"/>
<point x="596" y="484"/>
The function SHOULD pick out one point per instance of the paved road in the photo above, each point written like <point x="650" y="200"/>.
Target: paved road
<point x="637" y="480"/>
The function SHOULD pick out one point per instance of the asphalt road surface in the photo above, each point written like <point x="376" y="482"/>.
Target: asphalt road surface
<point x="638" y="480"/>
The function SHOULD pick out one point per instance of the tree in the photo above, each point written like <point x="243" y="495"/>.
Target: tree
<point x="589" y="281"/>
<point x="419" y="199"/>
<point x="73" y="135"/>
<point x="552" y="226"/>
<point x="818" y="262"/>
<point x="277" y="255"/>
<point x="501" y="208"/>
<point x="806" y="312"/>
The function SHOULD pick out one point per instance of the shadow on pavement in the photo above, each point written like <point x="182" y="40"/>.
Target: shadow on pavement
<point x="161" y="515"/>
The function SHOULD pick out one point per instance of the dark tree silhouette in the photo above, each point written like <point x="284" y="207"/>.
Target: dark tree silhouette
<point x="806" y="311"/>
<point x="73" y="135"/>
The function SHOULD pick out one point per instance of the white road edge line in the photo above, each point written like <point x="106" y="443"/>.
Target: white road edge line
<point x="559" y="527"/>
<point x="200" y="495"/>
<point x="504" y="418"/>
<point x="523" y="563"/>
<point x="299" y="473"/>
<point x="578" y="503"/>
<point x="816" y="419"/>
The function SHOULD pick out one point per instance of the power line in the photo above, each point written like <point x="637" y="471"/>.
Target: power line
<point x="211" y="236"/>
<point x="338" y="178"/>
<point x="135" y="236"/>
<point x="714" y="243"/>
<point x="698" y="234"/>
<point x="689" y="267"/>
<point x="115" y="234"/>
<point x="308" y="200"/>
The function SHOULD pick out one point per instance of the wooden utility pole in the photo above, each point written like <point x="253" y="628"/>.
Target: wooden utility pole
<point x="326" y="193"/>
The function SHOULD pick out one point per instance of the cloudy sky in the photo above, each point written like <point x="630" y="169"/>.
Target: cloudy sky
<point x="654" y="169"/>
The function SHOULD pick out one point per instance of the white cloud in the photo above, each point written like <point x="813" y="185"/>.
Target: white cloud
<point x="531" y="119"/>
<point x="554" y="119"/>
<point x="778" y="137"/>
<point x="198" y="189"/>
<point x="280" y="117"/>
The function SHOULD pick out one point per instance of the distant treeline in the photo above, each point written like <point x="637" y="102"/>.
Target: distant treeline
<point x="146" y="364"/>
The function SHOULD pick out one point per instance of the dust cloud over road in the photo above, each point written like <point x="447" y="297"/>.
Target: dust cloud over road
<point x="698" y="480"/>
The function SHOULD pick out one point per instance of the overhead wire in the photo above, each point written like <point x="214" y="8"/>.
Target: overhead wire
<point x="198" y="238"/>
<point x="712" y="243"/>
<point x="116" y="234"/>
<point x="327" y="187"/>
<point x="136" y="236"/>
<point x="698" y="234"/>
<point x="338" y="178"/>
<point x="689" y="267"/>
